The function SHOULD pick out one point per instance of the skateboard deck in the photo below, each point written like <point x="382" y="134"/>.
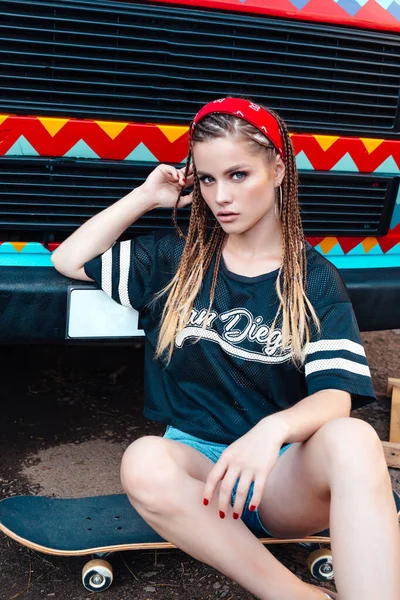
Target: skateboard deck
<point x="101" y="525"/>
<point x="74" y="526"/>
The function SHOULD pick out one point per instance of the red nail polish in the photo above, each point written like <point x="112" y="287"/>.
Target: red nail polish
<point x="222" y="514"/>
<point x="235" y="516"/>
<point x="205" y="501"/>
<point x="253" y="508"/>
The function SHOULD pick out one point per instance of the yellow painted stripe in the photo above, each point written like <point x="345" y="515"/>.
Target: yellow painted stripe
<point x="18" y="246"/>
<point x="3" y="118"/>
<point x="326" y="141"/>
<point x="52" y="124"/>
<point x="111" y="128"/>
<point x="173" y="132"/>
<point x="327" y="244"/>
<point x="369" y="243"/>
<point x="371" y="144"/>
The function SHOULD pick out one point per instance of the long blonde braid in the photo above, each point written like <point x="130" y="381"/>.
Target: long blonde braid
<point x="205" y="237"/>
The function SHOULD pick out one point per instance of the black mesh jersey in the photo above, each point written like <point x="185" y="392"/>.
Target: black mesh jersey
<point x="220" y="386"/>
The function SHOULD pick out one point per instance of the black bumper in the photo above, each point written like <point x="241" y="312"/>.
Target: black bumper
<point x="33" y="303"/>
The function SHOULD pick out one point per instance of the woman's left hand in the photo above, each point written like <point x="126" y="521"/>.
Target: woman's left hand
<point x="250" y="458"/>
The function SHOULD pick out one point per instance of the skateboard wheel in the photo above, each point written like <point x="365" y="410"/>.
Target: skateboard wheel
<point x="97" y="575"/>
<point x="320" y="564"/>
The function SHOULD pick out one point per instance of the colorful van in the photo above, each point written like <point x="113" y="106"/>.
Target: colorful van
<point x="96" y="92"/>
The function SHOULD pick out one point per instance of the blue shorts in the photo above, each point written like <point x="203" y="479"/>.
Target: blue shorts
<point x="213" y="451"/>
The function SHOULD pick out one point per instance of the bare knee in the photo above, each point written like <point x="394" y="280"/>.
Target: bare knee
<point x="351" y="444"/>
<point x="148" y="472"/>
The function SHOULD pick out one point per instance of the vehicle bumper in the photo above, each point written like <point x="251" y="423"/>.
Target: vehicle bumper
<point x="34" y="304"/>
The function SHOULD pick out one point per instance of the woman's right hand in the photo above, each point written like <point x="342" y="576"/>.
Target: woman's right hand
<point x="164" y="185"/>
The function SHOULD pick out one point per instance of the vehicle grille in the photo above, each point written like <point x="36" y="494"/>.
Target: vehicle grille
<point x="55" y="196"/>
<point x="134" y="61"/>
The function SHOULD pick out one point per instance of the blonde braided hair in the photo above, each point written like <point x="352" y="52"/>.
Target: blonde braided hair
<point x="205" y="237"/>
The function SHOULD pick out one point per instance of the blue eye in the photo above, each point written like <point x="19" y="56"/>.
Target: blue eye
<point x="204" y="177"/>
<point x="243" y="173"/>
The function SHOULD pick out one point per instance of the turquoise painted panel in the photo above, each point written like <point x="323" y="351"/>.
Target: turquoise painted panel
<point x="142" y="153"/>
<point x="384" y="3"/>
<point x="346" y="163"/>
<point x="30" y="248"/>
<point x="22" y="148"/>
<point x="303" y="162"/>
<point x="34" y="248"/>
<point x="353" y="260"/>
<point x="394" y="250"/>
<point x="366" y="261"/>
<point x="388" y="166"/>
<point x="335" y="251"/>
<point x="396" y="212"/>
<point x="15" y="259"/>
<point x="32" y="255"/>
<point x="375" y="251"/>
<point x="81" y="150"/>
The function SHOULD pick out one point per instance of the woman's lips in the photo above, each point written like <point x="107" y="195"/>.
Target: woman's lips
<point x="227" y="218"/>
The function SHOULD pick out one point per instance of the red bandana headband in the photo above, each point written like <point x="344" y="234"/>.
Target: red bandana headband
<point x="254" y="114"/>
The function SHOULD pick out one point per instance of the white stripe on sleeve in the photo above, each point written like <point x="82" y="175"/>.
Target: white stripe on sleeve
<point x="334" y="345"/>
<point x="106" y="272"/>
<point x="124" y="264"/>
<point x="316" y="366"/>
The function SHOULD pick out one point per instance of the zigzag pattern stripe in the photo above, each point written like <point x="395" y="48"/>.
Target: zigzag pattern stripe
<point x="35" y="136"/>
<point x="373" y="14"/>
<point x="54" y="137"/>
<point x="345" y="253"/>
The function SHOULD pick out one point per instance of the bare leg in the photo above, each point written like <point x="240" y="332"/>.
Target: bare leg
<point x="343" y="460"/>
<point x="156" y="478"/>
<point x="365" y="536"/>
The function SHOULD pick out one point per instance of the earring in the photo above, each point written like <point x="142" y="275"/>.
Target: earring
<point x="280" y="204"/>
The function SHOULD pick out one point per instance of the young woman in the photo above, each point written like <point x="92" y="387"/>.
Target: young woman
<point x="253" y="361"/>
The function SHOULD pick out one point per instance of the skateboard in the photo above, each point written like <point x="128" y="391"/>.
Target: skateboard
<point x="102" y="525"/>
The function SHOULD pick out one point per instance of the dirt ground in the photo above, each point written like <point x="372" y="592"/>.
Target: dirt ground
<point x="68" y="413"/>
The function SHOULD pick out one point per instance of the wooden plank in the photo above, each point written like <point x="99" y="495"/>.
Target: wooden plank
<point x="392" y="382"/>
<point x="395" y="416"/>
<point x="392" y="454"/>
